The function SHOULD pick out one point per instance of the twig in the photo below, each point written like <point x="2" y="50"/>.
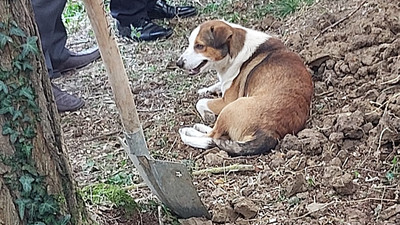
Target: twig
<point x="392" y="81"/>
<point x="205" y="153"/>
<point x="231" y="168"/>
<point x="103" y="136"/>
<point x="160" y="222"/>
<point x="135" y="186"/>
<point x="304" y="215"/>
<point x="341" y="20"/>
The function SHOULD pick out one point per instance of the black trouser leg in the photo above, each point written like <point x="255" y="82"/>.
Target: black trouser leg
<point x="52" y="32"/>
<point x="129" y="12"/>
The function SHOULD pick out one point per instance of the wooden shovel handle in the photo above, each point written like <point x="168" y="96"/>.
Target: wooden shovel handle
<point x="113" y="64"/>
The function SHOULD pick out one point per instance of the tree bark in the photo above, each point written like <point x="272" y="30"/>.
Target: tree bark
<point x="48" y="156"/>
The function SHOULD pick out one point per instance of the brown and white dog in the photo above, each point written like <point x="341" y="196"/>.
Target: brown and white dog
<point x="266" y="89"/>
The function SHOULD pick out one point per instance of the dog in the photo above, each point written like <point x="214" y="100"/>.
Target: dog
<point x="266" y="89"/>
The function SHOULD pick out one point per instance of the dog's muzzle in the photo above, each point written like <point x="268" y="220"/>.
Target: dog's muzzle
<point x="180" y="63"/>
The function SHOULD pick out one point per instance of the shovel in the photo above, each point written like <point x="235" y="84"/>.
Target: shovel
<point x="171" y="182"/>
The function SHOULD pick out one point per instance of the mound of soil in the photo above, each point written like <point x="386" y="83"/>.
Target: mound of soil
<point x="343" y="168"/>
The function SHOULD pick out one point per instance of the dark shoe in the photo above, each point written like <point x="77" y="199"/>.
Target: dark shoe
<point x="77" y="61"/>
<point x="66" y="102"/>
<point x="163" y="10"/>
<point x="147" y="31"/>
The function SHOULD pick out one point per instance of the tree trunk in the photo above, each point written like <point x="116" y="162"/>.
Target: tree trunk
<point x="36" y="186"/>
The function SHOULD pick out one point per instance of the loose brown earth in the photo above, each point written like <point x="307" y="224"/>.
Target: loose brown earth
<point x="341" y="169"/>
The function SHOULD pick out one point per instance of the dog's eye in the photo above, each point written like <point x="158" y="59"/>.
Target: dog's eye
<point x="199" y="46"/>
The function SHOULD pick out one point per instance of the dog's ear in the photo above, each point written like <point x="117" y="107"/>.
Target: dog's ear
<point x="221" y="35"/>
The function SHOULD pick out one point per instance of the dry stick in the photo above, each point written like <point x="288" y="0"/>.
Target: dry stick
<point x="103" y="136"/>
<point x="341" y="20"/>
<point x="232" y="168"/>
<point x="323" y="207"/>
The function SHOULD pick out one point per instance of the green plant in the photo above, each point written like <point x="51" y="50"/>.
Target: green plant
<point x="73" y="14"/>
<point x="282" y="8"/>
<point x="394" y="170"/>
<point x="109" y="193"/>
<point x="19" y="108"/>
<point x="120" y="178"/>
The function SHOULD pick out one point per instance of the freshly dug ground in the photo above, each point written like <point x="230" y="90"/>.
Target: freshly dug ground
<point x="343" y="168"/>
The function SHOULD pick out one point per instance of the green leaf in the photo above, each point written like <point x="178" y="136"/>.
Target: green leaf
<point x="26" y="92"/>
<point x="6" y="110"/>
<point x="27" y="66"/>
<point x="30" y="47"/>
<point x="26" y="181"/>
<point x="17" y="114"/>
<point x="4" y="39"/>
<point x="39" y="223"/>
<point x="65" y="220"/>
<point x="29" y="132"/>
<point x="3" y="87"/>
<point x="27" y="149"/>
<point x="390" y="176"/>
<point x="21" y="207"/>
<point x="14" y="137"/>
<point x="17" y="32"/>
<point x="7" y="130"/>
<point x="49" y="206"/>
<point x="30" y="169"/>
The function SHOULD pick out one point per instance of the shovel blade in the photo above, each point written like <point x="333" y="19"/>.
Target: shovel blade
<point x="171" y="182"/>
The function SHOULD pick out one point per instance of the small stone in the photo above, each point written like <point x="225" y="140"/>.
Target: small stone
<point x="297" y="185"/>
<point x="245" y="207"/>
<point x="223" y="214"/>
<point x="344" y="184"/>
<point x="336" y="162"/>
<point x="389" y="212"/>
<point x="332" y="171"/>
<point x="336" y="137"/>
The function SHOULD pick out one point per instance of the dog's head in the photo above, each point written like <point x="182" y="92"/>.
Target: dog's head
<point x="209" y="44"/>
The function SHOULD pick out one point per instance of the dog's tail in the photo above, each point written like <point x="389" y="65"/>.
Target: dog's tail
<point x="261" y="143"/>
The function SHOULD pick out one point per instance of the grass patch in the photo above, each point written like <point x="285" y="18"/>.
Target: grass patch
<point x="282" y="8"/>
<point x="104" y="194"/>
<point x="74" y="13"/>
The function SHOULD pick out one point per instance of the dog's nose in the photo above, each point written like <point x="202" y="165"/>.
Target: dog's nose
<point x="180" y="62"/>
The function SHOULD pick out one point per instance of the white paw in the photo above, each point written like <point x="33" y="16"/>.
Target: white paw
<point x="191" y="132"/>
<point x="203" y="109"/>
<point x="202" y="91"/>
<point x="189" y="137"/>
<point x="202" y="128"/>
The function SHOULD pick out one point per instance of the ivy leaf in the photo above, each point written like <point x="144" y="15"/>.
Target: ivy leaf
<point x="30" y="169"/>
<point x="21" y="207"/>
<point x="7" y="130"/>
<point x="3" y="87"/>
<point x="17" y="32"/>
<point x="26" y="181"/>
<point x="29" y="132"/>
<point x="65" y="220"/>
<point x="27" y="149"/>
<point x="7" y="109"/>
<point x="27" y="66"/>
<point x="39" y="223"/>
<point x="48" y="207"/>
<point x="30" y="47"/>
<point x="17" y="114"/>
<point x="4" y="39"/>
<point x="26" y="92"/>
<point x="14" y="137"/>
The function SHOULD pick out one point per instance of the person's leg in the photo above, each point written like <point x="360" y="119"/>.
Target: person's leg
<point x="133" y="21"/>
<point x="44" y="11"/>
<point x="129" y="12"/>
